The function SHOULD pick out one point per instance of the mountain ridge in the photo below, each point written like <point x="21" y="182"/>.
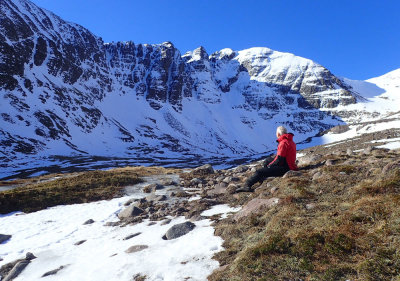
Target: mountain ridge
<point x="69" y="93"/>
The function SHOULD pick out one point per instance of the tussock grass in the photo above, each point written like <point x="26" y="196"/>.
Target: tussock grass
<point x="352" y="232"/>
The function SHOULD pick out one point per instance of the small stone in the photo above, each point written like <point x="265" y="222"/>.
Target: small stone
<point x="89" y="221"/>
<point x="316" y="176"/>
<point x="153" y="187"/>
<point x="203" y="170"/>
<point x="368" y="150"/>
<point x="241" y="169"/>
<point x="342" y="173"/>
<point x="165" y="222"/>
<point x="80" y="242"/>
<point x="29" y="256"/>
<point x="151" y="223"/>
<point x="231" y="189"/>
<point x="130" y="201"/>
<point x="131" y="236"/>
<point x="329" y="162"/>
<point x="54" y="271"/>
<point x="310" y="206"/>
<point x="227" y="180"/>
<point x="4" y="237"/>
<point x="291" y="174"/>
<point x="274" y="189"/>
<point x="349" y="152"/>
<point x="112" y="223"/>
<point x="136" y="248"/>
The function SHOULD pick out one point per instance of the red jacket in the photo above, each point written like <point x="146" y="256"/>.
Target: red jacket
<point x="286" y="151"/>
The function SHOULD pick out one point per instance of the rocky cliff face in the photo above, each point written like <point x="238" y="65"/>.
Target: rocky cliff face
<point x="63" y="91"/>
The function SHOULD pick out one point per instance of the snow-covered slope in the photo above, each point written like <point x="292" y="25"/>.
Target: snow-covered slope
<point x="65" y="92"/>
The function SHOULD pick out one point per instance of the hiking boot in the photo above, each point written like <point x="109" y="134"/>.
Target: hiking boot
<point x="244" y="189"/>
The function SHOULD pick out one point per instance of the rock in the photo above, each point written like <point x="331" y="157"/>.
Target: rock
<point x="291" y="174"/>
<point x="339" y="129"/>
<point x="165" y="222"/>
<point x="389" y="167"/>
<point x="227" y="180"/>
<point x="316" y="176"/>
<point x="89" y="221"/>
<point x="167" y="182"/>
<point x="203" y="170"/>
<point x="368" y="150"/>
<point x="130" y="201"/>
<point x="309" y="159"/>
<point x="179" y="230"/>
<point x="151" y="223"/>
<point x="156" y="198"/>
<point x="136" y="248"/>
<point x="131" y="236"/>
<point x="329" y="162"/>
<point x="80" y="242"/>
<point x="253" y="170"/>
<point x="255" y="206"/>
<point x="29" y="256"/>
<point x="217" y="189"/>
<point x="196" y="181"/>
<point x="4" y="237"/>
<point x="54" y="271"/>
<point x="153" y="187"/>
<point x="241" y="169"/>
<point x="310" y="206"/>
<point x="349" y="152"/>
<point x="112" y="223"/>
<point x="274" y="189"/>
<point x="231" y="189"/>
<point x="16" y="270"/>
<point x="131" y="211"/>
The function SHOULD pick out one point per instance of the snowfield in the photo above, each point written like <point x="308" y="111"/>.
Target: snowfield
<point x="51" y="236"/>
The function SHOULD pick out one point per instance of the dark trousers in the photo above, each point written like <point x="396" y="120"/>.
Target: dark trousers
<point x="261" y="174"/>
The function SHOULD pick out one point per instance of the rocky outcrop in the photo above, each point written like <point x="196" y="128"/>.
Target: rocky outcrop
<point x="77" y="80"/>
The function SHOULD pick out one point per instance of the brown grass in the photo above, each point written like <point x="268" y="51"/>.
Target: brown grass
<point x="352" y="233"/>
<point x="37" y="194"/>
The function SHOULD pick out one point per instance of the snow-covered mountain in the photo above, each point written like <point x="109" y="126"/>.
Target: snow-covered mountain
<point x="65" y="92"/>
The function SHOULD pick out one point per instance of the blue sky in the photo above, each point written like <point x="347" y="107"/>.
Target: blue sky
<point x="357" y="39"/>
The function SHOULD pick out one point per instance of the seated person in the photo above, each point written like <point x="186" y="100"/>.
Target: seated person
<point x="284" y="161"/>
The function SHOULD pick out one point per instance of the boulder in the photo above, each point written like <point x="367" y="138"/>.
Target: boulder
<point x="4" y="237"/>
<point x="309" y="159"/>
<point x="168" y="182"/>
<point x="131" y="211"/>
<point x="179" y="230"/>
<point x="203" y="170"/>
<point x="136" y="248"/>
<point x="255" y="206"/>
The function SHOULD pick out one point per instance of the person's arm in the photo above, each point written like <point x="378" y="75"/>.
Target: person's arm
<point x="280" y="158"/>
